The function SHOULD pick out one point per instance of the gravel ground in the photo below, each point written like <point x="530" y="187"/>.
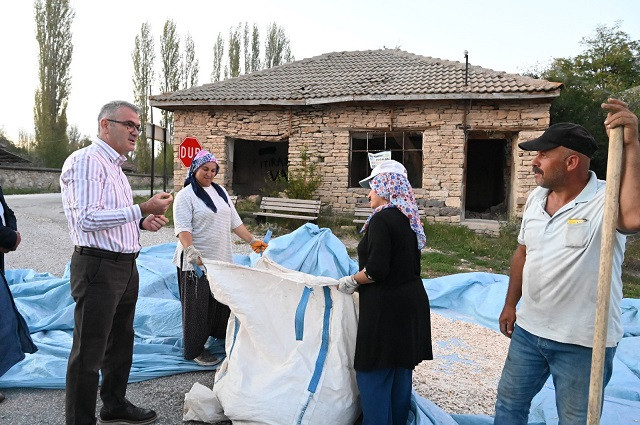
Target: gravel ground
<point x="462" y="378"/>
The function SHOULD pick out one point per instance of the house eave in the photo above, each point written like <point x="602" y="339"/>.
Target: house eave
<point x="176" y="104"/>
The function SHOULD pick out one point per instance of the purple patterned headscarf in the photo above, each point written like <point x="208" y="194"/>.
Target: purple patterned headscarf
<point x="397" y="189"/>
<point x="199" y="159"/>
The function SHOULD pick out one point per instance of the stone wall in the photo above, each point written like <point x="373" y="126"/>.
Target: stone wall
<point x="48" y="179"/>
<point x="324" y="131"/>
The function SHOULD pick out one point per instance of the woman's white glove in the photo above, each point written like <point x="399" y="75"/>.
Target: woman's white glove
<point x="192" y="255"/>
<point x="347" y="284"/>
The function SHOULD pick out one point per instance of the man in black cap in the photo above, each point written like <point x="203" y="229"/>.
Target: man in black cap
<point x="554" y="270"/>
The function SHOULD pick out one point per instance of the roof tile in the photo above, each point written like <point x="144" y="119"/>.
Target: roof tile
<point x="358" y="75"/>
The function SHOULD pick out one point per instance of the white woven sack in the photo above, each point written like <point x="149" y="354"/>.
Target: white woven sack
<point x="289" y="349"/>
<point x="201" y="404"/>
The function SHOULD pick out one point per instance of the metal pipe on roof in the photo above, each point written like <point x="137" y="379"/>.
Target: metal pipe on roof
<point x="465" y="132"/>
<point x="466" y="67"/>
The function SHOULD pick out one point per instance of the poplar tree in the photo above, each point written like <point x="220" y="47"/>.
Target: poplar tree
<point x="143" y="57"/>
<point x="234" y="51"/>
<point x="171" y="76"/>
<point x="218" y="51"/>
<point x="170" y="57"/>
<point x="277" y="47"/>
<point x="255" y="49"/>
<point x="53" y="20"/>
<point x="190" y="66"/>
<point x="245" y="48"/>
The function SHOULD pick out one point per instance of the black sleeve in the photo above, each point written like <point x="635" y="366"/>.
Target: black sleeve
<point x="8" y="235"/>
<point x="379" y="248"/>
<point x="10" y="218"/>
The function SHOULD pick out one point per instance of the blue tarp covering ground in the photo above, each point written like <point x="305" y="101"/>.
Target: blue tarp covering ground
<point x="45" y="302"/>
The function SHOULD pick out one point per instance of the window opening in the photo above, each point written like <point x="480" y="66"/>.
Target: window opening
<point x="405" y="147"/>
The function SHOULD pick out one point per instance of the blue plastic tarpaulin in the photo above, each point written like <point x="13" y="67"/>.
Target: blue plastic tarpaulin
<point x="47" y="306"/>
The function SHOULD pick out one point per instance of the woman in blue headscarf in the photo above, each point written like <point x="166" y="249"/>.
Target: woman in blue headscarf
<point x="204" y="218"/>
<point x="394" y="327"/>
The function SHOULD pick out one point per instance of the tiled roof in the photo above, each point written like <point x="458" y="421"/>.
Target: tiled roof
<point x="387" y="74"/>
<point x="8" y="158"/>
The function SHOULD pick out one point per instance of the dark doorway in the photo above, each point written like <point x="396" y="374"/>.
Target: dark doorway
<point x="256" y="162"/>
<point x="486" y="179"/>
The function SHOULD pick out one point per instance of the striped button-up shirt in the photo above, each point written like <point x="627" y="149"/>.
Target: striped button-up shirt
<point x="98" y="201"/>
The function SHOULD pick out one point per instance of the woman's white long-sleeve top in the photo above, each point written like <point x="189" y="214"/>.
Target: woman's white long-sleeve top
<point x="211" y="231"/>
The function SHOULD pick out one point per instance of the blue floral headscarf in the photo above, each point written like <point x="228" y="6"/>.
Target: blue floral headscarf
<point x="397" y="189"/>
<point x="199" y="159"/>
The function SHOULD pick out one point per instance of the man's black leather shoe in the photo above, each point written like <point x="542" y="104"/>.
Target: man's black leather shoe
<point x="1" y="397"/>
<point x="127" y="415"/>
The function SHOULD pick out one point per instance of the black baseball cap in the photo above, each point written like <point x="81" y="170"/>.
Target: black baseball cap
<point x="572" y="136"/>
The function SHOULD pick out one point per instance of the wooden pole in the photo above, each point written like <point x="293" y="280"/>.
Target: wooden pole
<point x="609" y="223"/>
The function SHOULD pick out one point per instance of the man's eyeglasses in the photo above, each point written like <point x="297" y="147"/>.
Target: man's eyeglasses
<point x="129" y="124"/>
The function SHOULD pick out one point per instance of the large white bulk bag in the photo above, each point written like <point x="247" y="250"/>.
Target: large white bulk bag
<point x="290" y="345"/>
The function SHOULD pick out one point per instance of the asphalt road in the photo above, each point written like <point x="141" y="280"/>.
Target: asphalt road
<point x="46" y="247"/>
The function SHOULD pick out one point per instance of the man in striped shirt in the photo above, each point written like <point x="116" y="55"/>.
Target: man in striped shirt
<point x="105" y="225"/>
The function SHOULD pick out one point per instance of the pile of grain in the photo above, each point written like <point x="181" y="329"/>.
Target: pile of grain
<point x="468" y="360"/>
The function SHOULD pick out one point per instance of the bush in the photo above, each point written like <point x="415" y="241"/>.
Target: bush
<point x="304" y="182"/>
<point x="273" y="188"/>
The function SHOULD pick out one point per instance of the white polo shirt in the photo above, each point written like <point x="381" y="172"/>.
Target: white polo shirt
<point x="560" y="276"/>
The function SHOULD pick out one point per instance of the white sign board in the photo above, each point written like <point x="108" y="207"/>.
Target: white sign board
<point x="377" y="158"/>
<point x="158" y="134"/>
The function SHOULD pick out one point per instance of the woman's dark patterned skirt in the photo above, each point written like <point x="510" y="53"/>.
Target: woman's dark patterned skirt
<point x="202" y="314"/>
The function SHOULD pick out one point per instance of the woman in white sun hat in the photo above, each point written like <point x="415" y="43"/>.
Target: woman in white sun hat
<point x="394" y="329"/>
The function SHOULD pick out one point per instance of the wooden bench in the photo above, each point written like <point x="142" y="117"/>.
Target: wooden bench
<point x="361" y="213"/>
<point x="299" y="209"/>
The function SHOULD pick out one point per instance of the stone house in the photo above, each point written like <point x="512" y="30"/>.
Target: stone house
<point x="455" y="127"/>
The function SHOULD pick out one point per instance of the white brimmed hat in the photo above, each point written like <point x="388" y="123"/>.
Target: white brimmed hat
<point x="387" y="166"/>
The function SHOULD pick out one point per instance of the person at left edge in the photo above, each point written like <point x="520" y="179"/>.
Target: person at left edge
<point x="14" y="332"/>
<point x="105" y="225"/>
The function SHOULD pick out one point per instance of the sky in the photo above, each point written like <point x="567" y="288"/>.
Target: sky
<point x="504" y="35"/>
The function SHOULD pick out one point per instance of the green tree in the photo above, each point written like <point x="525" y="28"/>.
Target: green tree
<point x="611" y="61"/>
<point x="234" y="51"/>
<point x="277" y="49"/>
<point x="4" y="140"/>
<point x="53" y="20"/>
<point x="171" y="75"/>
<point x="26" y="141"/>
<point x="160" y="158"/>
<point x="633" y="97"/>
<point x="143" y="56"/>
<point x="76" y="139"/>
<point x="607" y="67"/>
<point x="245" y="48"/>
<point x="170" y="58"/>
<point x="190" y="65"/>
<point x="218" y="51"/>
<point x="255" y="49"/>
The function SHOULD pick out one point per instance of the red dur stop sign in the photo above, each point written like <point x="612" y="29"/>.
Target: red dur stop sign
<point x="188" y="148"/>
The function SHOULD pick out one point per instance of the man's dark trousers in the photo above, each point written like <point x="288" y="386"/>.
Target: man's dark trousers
<point x="106" y="292"/>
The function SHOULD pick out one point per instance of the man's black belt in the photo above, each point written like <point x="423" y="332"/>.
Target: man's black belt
<point x="103" y="253"/>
